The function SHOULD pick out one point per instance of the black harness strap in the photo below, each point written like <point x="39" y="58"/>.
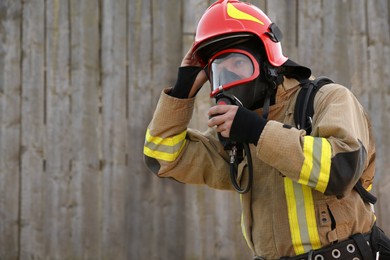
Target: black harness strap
<point x="366" y="196"/>
<point x="304" y="111"/>
<point x="363" y="246"/>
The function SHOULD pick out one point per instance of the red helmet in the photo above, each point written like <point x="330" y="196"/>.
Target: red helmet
<point x="234" y="20"/>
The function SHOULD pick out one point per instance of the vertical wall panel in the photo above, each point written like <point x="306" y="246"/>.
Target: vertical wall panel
<point x="58" y="149"/>
<point x="379" y="70"/>
<point x="85" y="182"/>
<point x="157" y="229"/>
<point x="116" y="178"/>
<point x="141" y="91"/>
<point x="284" y="14"/>
<point x="310" y="39"/>
<point x="335" y="38"/>
<point x="33" y="191"/>
<point x="10" y="127"/>
<point x="357" y="50"/>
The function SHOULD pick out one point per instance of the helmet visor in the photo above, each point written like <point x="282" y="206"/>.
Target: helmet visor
<point x="230" y="68"/>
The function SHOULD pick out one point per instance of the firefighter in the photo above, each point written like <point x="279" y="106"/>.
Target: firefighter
<point x="301" y="203"/>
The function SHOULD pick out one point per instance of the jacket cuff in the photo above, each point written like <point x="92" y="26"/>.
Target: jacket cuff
<point x="173" y="113"/>
<point x="186" y="77"/>
<point x="247" y="126"/>
<point x="280" y="146"/>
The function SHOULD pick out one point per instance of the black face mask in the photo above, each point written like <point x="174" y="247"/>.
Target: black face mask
<point x="253" y="94"/>
<point x="244" y="93"/>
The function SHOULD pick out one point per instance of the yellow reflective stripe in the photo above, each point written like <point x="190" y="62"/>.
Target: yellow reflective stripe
<point x="315" y="170"/>
<point x="243" y="229"/>
<point x="167" y="149"/>
<point x="169" y="157"/>
<point x="308" y="143"/>
<point x="233" y="12"/>
<point x="169" y="141"/>
<point x="311" y="218"/>
<point x="326" y="155"/>
<point x="301" y="216"/>
<point x="293" y="217"/>
<point x="369" y="187"/>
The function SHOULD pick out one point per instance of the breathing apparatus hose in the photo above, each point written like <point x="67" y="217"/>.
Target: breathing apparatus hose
<point x="234" y="169"/>
<point x="235" y="150"/>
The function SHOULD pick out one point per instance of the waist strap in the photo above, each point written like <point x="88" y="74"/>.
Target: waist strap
<point x="356" y="247"/>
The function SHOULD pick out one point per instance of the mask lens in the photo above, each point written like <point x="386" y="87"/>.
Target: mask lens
<point x="230" y="68"/>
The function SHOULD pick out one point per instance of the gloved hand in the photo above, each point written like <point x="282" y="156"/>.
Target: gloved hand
<point x="190" y="79"/>
<point x="237" y="123"/>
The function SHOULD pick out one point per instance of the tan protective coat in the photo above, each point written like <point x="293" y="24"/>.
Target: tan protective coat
<point x="266" y="220"/>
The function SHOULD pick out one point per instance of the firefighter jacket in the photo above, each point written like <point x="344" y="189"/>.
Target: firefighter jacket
<point x="302" y="196"/>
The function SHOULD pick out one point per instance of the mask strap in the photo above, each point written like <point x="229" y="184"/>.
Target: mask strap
<point x="266" y="105"/>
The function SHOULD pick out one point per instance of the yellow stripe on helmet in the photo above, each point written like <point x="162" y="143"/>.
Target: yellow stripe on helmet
<point x="233" y="12"/>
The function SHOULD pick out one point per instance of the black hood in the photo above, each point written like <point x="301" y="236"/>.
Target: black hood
<point x="294" y="70"/>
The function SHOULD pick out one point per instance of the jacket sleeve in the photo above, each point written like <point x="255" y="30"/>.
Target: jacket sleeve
<point x="187" y="155"/>
<point x="334" y="157"/>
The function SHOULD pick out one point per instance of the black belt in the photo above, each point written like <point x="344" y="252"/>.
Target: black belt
<point x="355" y="248"/>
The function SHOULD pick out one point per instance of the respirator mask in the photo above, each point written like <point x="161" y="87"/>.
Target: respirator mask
<point x="232" y="74"/>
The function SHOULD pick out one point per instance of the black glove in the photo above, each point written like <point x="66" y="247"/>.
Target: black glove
<point x="247" y="126"/>
<point x="185" y="79"/>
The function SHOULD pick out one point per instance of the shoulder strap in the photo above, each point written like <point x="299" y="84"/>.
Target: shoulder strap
<point x="303" y="114"/>
<point x="366" y="195"/>
<point x="304" y="106"/>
